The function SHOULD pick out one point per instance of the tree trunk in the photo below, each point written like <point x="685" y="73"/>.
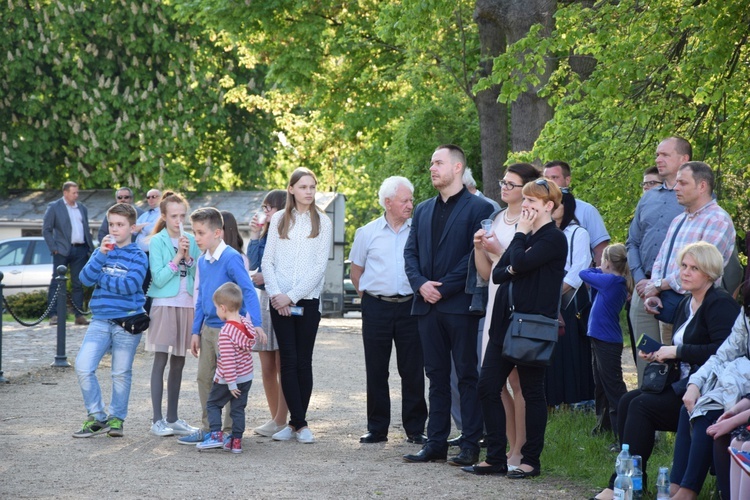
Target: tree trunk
<point x="529" y="113"/>
<point x="493" y="116"/>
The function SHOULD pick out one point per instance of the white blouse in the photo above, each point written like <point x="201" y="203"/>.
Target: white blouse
<point x="296" y="266"/>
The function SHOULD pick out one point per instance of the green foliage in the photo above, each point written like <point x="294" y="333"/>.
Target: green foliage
<point x="28" y="305"/>
<point x="664" y="68"/>
<point x="116" y="92"/>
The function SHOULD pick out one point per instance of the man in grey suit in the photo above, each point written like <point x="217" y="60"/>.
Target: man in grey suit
<point x="66" y="231"/>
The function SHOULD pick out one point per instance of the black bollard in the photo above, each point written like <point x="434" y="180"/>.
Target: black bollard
<point x="3" y="380"/>
<point x="61" y="359"/>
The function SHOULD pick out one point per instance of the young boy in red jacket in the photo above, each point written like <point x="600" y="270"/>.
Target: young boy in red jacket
<point x="234" y="370"/>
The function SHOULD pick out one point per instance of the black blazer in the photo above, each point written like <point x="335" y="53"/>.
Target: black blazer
<point x="57" y="229"/>
<point x="449" y="266"/>
<point x="708" y="329"/>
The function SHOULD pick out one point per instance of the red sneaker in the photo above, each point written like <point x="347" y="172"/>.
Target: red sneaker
<point x="234" y="445"/>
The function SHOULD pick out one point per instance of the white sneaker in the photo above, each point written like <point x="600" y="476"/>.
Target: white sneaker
<point x="284" y="434"/>
<point x="305" y="436"/>
<point x="181" y="428"/>
<point x="161" y="428"/>
<point x="268" y="429"/>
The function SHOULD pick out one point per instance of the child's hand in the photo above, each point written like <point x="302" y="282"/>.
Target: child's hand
<point x="260" y="336"/>
<point x="235" y="392"/>
<point x="195" y="345"/>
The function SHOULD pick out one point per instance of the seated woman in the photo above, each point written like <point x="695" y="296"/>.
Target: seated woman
<point x="703" y="321"/>
<point x="717" y="392"/>
<point x="535" y="264"/>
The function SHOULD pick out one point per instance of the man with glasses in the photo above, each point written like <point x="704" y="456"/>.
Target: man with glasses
<point x="66" y="230"/>
<point x="123" y="195"/>
<point x="143" y="227"/>
<point x="587" y="214"/>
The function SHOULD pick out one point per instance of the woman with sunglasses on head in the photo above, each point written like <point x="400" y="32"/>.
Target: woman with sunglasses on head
<point x="268" y="352"/>
<point x="535" y="264"/>
<point x="488" y="248"/>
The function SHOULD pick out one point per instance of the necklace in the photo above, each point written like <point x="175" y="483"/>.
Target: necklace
<point x="508" y="221"/>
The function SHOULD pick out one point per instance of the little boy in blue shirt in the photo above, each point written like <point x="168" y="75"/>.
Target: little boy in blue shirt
<point x="219" y="264"/>
<point x="117" y="270"/>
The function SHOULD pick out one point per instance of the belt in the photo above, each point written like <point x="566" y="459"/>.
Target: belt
<point x="391" y="298"/>
<point x="78" y="244"/>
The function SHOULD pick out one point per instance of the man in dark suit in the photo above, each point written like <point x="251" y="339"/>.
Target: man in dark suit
<point x="66" y="231"/>
<point x="122" y="195"/>
<point x="436" y="259"/>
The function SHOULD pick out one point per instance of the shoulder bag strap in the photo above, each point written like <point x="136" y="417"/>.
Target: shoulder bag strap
<point x="671" y="246"/>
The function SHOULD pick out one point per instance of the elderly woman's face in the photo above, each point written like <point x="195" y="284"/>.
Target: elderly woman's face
<point x="691" y="277"/>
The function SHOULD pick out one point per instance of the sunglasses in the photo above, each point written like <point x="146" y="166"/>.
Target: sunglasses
<point x="151" y="197"/>
<point x="543" y="182"/>
<point x="123" y="197"/>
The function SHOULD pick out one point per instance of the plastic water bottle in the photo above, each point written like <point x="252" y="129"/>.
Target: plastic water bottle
<point x="624" y="483"/>
<point x="662" y="484"/>
<point x="624" y="455"/>
<point x="637" y="478"/>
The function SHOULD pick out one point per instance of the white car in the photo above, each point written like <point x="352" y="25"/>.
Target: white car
<point x="26" y="264"/>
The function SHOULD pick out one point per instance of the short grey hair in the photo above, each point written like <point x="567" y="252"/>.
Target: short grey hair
<point x="468" y="179"/>
<point x="389" y="187"/>
<point x="125" y="188"/>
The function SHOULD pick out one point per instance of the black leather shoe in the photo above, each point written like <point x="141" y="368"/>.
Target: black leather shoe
<point x="416" y="438"/>
<point x="426" y="455"/>
<point x="486" y="469"/>
<point x="466" y="457"/>
<point x="371" y="437"/>
<point x="522" y="474"/>
<point x="456" y="441"/>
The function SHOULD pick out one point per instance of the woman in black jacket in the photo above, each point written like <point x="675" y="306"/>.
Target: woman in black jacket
<point x="535" y="263"/>
<point x="703" y="320"/>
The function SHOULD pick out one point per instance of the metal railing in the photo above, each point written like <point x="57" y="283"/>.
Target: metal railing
<point x="60" y="297"/>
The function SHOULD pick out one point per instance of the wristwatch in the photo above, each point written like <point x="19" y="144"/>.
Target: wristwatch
<point x="657" y="284"/>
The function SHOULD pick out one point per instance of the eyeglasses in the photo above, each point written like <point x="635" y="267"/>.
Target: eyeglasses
<point x="650" y="183"/>
<point x="126" y="197"/>
<point x="152" y="196"/>
<point x="543" y="182"/>
<point x="266" y="208"/>
<point x="509" y="185"/>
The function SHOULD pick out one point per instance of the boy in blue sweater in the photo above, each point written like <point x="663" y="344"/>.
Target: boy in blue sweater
<point x="219" y="264"/>
<point x="117" y="270"/>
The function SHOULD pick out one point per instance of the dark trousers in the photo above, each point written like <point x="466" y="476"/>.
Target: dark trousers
<point x="722" y="463"/>
<point x="693" y="450"/>
<point x="446" y="336"/>
<point x="296" y="338"/>
<point x="609" y="387"/>
<point x="75" y="261"/>
<point x="383" y="324"/>
<point x="639" y="415"/>
<point x="220" y="396"/>
<point x="495" y="371"/>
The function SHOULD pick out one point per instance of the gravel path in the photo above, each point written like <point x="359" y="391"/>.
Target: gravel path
<point x="42" y="406"/>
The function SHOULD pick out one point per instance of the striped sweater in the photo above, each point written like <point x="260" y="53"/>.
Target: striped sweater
<point x="118" y="277"/>
<point x="234" y="363"/>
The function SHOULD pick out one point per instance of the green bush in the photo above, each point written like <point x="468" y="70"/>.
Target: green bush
<point x="28" y="305"/>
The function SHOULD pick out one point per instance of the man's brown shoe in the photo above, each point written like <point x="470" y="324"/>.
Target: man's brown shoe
<point x="80" y="320"/>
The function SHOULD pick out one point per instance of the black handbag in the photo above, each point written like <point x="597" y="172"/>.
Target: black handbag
<point x="133" y="324"/>
<point x="657" y="376"/>
<point x="531" y="338"/>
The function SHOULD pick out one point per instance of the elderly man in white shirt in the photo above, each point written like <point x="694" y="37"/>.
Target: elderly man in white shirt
<point x="378" y="274"/>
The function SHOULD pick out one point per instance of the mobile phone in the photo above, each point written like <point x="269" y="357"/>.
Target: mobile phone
<point x="297" y="310"/>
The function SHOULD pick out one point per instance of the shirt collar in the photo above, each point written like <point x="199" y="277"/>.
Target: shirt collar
<point x="213" y="257"/>
<point x="701" y="209"/>
<point x="384" y="224"/>
<point x="74" y="205"/>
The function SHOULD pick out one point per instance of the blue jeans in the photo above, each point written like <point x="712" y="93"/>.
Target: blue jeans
<point x="102" y="336"/>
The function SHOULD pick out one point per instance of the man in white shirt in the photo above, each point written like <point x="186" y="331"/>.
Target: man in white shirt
<point x="65" y="228"/>
<point x="587" y="214"/>
<point x="378" y="274"/>
<point x="147" y="220"/>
